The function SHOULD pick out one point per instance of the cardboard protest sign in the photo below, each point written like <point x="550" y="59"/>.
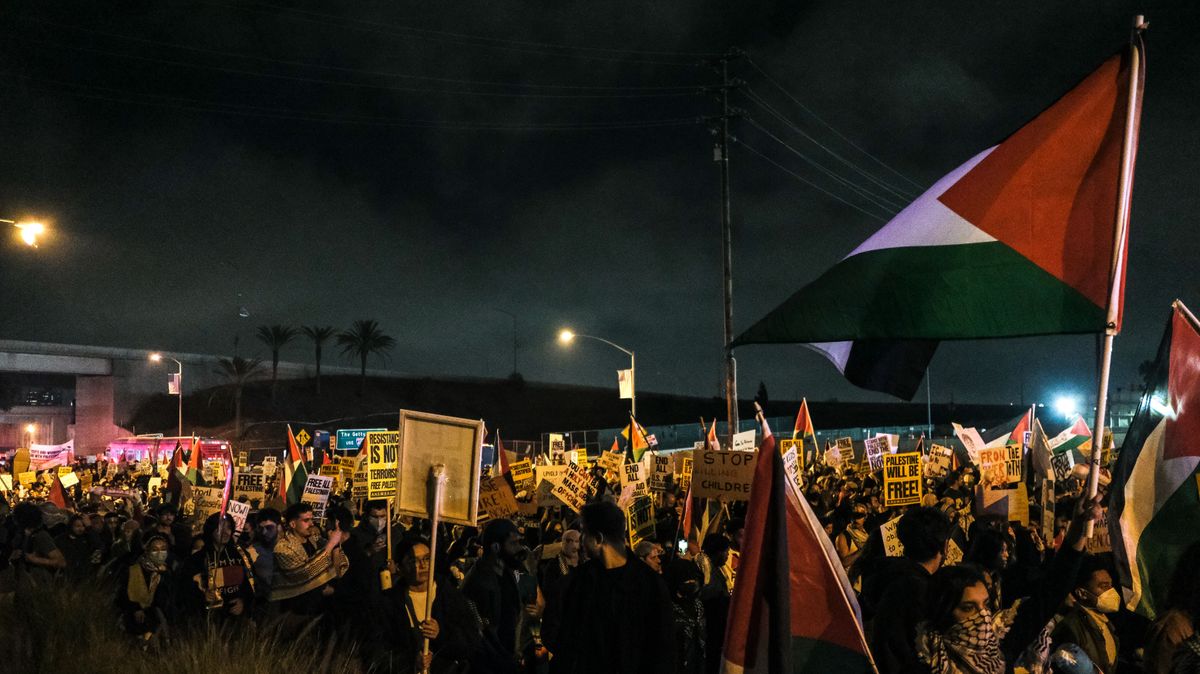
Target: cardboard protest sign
<point x="522" y="475"/>
<point x="558" y="449"/>
<point x="151" y="484"/>
<point x="875" y="449"/>
<point x="346" y="466"/>
<point x="239" y="512"/>
<point x="383" y="453"/>
<point x="316" y="493"/>
<point x="1047" y="511"/>
<point x="6" y="482"/>
<point x="891" y="441"/>
<point x="68" y="480"/>
<point x="269" y="465"/>
<point x="1062" y="464"/>
<point x="431" y="439"/>
<point x="547" y="477"/>
<point x="205" y="502"/>
<point x="991" y="466"/>
<point x="573" y="489"/>
<point x="660" y="470"/>
<point x="954" y="554"/>
<point x="892" y="547"/>
<point x="744" y="441"/>
<point x="833" y="458"/>
<point x="496" y="497"/>
<point x="1013" y="463"/>
<point x="85" y="482"/>
<point x="249" y="485"/>
<point x="845" y="445"/>
<point x="939" y="461"/>
<point x="243" y="458"/>
<point x="725" y="473"/>
<point x="1100" y="541"/>
<point x="639" y="517"/>
<point x="902" y="483"/>
<point x="612" y="461"/>
<point x="787" y="443"/>
<point x="1012" y="504"/>
<point x="27" y="478"/>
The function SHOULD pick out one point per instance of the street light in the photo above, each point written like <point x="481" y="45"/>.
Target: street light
<point x="566" y="336"/>
<point x="30" y="430"/>
<point x="29" y="231"/>
<point x="157" y="358"/>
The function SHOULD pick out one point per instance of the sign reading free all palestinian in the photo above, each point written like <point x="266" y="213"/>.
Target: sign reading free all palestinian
<point x="727" y="473"/>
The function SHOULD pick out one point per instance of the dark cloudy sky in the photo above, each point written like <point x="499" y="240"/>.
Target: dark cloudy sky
<point x="308" y="162"/>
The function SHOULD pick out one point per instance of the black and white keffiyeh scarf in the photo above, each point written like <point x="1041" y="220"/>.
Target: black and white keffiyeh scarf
<point x="969" y="647"/>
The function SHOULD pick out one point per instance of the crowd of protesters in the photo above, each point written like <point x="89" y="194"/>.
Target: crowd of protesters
<point x="562" y="591"/>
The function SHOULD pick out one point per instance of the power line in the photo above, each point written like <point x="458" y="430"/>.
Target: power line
<point x="866" y="194"/>
<point x="200" y="105"/>
<point x="758" y="100"/>
<point x="827" y="125"/>
<point x="362" y="71"/>
<point x="808" y="182"/>
<point x="394" y="30"/>
<point x="357" y="85"/>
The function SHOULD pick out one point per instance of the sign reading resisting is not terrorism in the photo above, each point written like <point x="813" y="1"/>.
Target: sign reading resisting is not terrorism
<point x="383" y="450"/>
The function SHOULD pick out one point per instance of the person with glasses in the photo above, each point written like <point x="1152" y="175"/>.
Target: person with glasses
<point x="304" y="568"/>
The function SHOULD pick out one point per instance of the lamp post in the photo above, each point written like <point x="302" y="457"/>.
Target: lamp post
<point x="566" y="337"/>
<point x="29" y="230"/>
<point x="157" y="358"/>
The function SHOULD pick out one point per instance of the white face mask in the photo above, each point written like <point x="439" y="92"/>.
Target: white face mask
<point x="157" y="556"/>
<point x="1109" y="601"/>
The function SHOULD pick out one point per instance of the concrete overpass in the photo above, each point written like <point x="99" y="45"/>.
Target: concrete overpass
<point x="108" y="385"/>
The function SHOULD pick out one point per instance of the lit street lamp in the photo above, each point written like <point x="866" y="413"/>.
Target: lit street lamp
<point x="29" y="231"/>
<point x="157" y="358"/>
<point x="31" y="431"/>
<point x="567" y="336"/>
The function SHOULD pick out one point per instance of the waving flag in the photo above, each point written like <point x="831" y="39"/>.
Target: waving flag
<point x="1154" y="493"/>
<point x="295" y="474"/>
<point x="1017" y="241"/>
<point x="195" y="469"/>
<point x="793" y="609"/>
<point x="1077" y="438"/>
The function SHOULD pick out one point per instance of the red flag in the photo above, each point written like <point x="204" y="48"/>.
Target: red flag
<point x="502" y="454"/>
<point x="793" y="609"/>
<point x="57" y="495"/>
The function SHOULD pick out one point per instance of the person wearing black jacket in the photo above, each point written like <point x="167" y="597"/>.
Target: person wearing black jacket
<point x="145" y="589"/>
<point x="451" y="626"/>
<point x="219" y="577"/>
<point x="615" y="612"/>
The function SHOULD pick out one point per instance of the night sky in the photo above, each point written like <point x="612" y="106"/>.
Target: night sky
<point x="408" y="162"/>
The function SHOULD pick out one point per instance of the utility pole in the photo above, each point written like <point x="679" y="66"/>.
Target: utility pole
<point x="721" y="155"/>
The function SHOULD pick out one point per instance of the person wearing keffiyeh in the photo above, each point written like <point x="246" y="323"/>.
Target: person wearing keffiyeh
<point x="144" y="590"/>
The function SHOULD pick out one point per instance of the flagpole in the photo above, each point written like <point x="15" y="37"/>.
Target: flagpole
<point x="1116" y="282"/>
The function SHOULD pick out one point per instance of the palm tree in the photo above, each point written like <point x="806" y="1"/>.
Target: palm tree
<point x="362" y="340"/>
<point x="319" y="334"/>
<point x="238" y="372"/>
<point x="275" y="337"/>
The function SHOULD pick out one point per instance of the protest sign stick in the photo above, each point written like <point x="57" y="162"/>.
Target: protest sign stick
<point x="1116" y="282"/>
<point x="437" y="474"/>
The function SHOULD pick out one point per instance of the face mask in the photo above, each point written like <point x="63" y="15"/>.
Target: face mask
<point x="157" y="556"/>
<point x="1109" y="601"/>
<point x="376" y="522"/>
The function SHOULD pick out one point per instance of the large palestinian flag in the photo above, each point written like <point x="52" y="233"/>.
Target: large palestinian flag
<point x="793" y="609"/>
<point x="295" y="473"/>
<point x="1155" y="504"/>
<point x="1017" y="241"/>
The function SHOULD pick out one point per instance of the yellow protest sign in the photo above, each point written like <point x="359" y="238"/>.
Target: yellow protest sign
<point x="902" y="479"/>
<point x="522" y="474"/>
<point x="640" y="519"/>
<point x="383" y="452"/>
<point x="63" y="470"/>
<point x="574" y="487"/>
<point x="27" y="478"/>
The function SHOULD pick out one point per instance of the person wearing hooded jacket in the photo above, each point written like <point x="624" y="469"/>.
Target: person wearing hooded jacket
<point x="145" y="589"/>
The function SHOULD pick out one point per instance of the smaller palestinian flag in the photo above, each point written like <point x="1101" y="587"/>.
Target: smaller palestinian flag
<point x="638" y="443"/>
<point x="195" y="469"/>
<point x="793" y="609"/>
<point x="1077" y="438"/>
<point x="295" y="474"/>
<point x="1155" y="490"/>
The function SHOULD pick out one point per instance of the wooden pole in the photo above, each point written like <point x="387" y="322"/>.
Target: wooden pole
<point x="437" y="474"/>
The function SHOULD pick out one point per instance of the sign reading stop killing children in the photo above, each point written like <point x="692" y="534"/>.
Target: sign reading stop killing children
<point x="427" y="440"/>
<point x="725" y="473"/>
<point x="901" y="479"/>
<point x="383" y="451"/>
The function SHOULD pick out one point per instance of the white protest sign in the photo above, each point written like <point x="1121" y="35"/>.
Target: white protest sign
<point x="791" y="467"/>
<point x="892" y="546"/>
<point x="269" y="465"/>
<point x="42" y="457"/>
<point x="971" y="441"/>
<point x="205" y="502"/>
<point x="892" y="441"/>
<point x="316" y="493"/>
<point x="68" y="480"/>
<point x="239" y="512"/>
<point x="875" y="448"/>
<point x="1062" y="465"/>
<point x="427" y="440"/>
<point x="558" y="449"/>
<point x="496" y="497"/>
<point x="660" y="470"/>
<point x="635" y="474"/>
<point x="744" y="441"/>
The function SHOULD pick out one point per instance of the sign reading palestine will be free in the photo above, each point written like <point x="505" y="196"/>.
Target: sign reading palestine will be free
<point x="901" y="479"/>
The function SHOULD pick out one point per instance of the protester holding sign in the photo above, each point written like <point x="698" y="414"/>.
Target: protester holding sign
<point x="217" y="580"/>
<point x="303" y="567"/>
